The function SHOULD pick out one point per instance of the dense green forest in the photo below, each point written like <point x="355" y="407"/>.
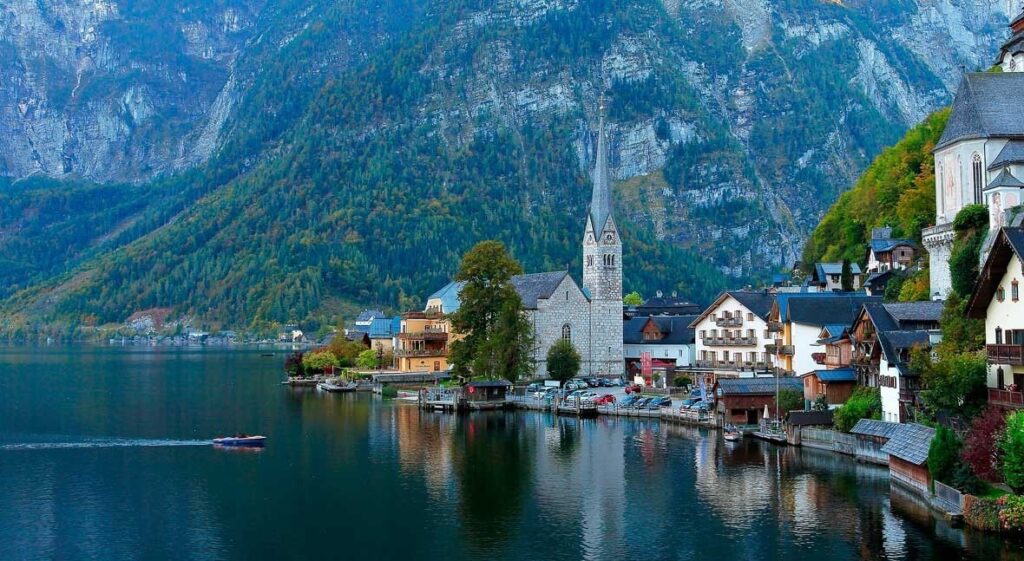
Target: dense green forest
<point x="897" y="190"/>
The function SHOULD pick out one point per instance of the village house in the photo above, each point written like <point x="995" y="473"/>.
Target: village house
<point x="882" y="337"/>
<point x="669" y="340"/>
<point x="742" y="401"/>
<point x="731" y="334"/>
<point x="422" y="342"/>
<point x="663" y="306"/>
<point x="886" y="253"/>
<point x="383" y="332"/>
<point x="996" y="299"/>
<point x="796" y="321"/>
<point x="980" y="157"/>
<point x="908" y="456"/>
<point x="877" y="282"/>
<point x="835" y="385"/>
<point x="829" y="276"/>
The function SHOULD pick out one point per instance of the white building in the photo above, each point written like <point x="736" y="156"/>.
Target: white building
<point x="997" y="300"/>
<point x="980" y="156"/>
<point x="732" y="333"/>
<point x="669" y="340"/>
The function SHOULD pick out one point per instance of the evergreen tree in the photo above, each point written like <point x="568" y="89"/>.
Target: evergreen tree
<point x="847" y="276"/>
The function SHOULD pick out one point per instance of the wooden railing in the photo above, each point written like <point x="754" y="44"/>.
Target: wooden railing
<point x="427" y="335"/>
<point x="1005" y="398"/>
<point x="1005" y="354"/>
<point x="421" y="352"/>
<point x="730" y="341"/>
<point x="734" y="321"/>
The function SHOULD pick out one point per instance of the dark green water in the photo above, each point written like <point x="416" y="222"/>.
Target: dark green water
<point x="99" y="460"/>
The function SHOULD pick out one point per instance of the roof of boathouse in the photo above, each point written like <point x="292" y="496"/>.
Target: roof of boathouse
<point x="910" y="443"/>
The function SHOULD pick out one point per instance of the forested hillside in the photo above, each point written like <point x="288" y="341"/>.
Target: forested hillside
<point x="897" y="189"/>
<point x="354" y="150"/>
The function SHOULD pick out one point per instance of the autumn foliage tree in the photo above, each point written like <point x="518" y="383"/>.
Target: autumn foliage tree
<point x="981" y="445"/>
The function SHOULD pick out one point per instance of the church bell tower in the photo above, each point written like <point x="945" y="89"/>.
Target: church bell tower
<point x="602" y="268"/>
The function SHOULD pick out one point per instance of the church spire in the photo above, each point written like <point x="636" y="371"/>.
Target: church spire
<point x="601" y="204"/>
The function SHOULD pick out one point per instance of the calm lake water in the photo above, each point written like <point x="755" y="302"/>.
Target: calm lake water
<point x="102" y="456"/>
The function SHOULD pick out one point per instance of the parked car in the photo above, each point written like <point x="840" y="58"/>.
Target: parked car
<point x="659" y="402"/>
<point x="615" y="382"/>
<point x="634" y="388"/>
<point x="606" y="399"/>
<point x="629" y="400"/>
<point x="686" y="403"/>
<point x="641" y="403"/>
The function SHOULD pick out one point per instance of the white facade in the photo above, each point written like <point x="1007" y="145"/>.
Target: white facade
<point x="728" y="345"/>
<point x="1004" y="321"/>
<point x="805" y="344"/>
<point x="682" y="355"/>
<point x="889" y="387"/>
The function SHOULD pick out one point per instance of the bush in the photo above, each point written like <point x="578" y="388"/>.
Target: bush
<point x="681" y="381"/>
<point x="367" y="360"/>
<point x="865" y="403"/>
<point x="1011" y="513"/>
<point x="320" y="360"/>
<point x="789" y="400"/>
<point x="563" y="361"/>
<point x="389" y="392"/>
<point x="942" y="455"/>
<point x="293" y="365"/>
<point x="981" y="445"/>
<point x="1012" y="447"/>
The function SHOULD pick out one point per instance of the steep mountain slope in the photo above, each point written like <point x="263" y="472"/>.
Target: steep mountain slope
<point x="733" y="124"/>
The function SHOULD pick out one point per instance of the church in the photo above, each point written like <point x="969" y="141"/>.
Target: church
<point x="589" y="316"/>
<point x="980" y="157"/>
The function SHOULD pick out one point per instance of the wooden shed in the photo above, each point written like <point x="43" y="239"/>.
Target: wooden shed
<point x="871" y="436"/>
<point x="908" y="456"/>
<point x="742" y="401"/>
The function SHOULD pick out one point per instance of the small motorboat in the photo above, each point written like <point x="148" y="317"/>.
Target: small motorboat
<point x="336" y="387"/>
<point x="732" y="434"/>
<point x="241" y="440"/>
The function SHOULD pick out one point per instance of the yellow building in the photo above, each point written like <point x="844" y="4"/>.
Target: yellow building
<point x="423" y="342"/>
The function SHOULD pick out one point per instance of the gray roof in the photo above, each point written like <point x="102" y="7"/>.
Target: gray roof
<point x="677" y="330"/>
<point x="530" y="288"/>
<point x="1012" y="153"/>
<point x="880" y="316"/>
<point x="915" y="311"/>
<point x="601" y="202"/>
<point x="490" y="384"/>
<point x="1005" y="179"/>
<point x="986" y="105"/>
<point x="882" y="245"/>
<point x="893" y="342"/>
<point x="758" y="386"/>
<point x="910" y="442"/>
<point x="871" y="427"/>
<point x="536" y="286"/>
<point x="825" y="309"/>
<point x="759" y="302"/>
<point x="835" y="269"/>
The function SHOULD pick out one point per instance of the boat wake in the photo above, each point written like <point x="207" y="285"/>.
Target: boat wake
<point x="103" y="443"/>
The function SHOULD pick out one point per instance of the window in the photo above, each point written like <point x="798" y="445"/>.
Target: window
<point x="1000" y="294"/>
<point x="567" y="332"/>
<point x="703" y="334"/>
<point x="976" y="177"/>
<point x="999" y="336"/>
<point x="750" y="316"/>
<point x="590" y="261"/>
<point x="725" y="355"/>
<point x="750" y="333"/>
<point x="1014" y="291"/>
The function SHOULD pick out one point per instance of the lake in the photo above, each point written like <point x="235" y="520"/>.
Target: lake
<point x="104" y="455"/>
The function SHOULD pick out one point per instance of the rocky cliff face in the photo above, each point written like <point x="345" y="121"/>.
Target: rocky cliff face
<point x="733" y="123"/>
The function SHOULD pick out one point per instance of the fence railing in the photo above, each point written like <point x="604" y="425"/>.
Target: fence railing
<point x="950" y="498"/>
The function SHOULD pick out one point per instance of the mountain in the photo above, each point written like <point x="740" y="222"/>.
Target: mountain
<point x="266" y="161"/>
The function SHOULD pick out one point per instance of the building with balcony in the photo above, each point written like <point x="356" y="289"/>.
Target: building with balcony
<point x="980" y="157"/>
<point x="669" y="340"/>
<point x="882" y="338"/>
<point x="731" y="334"/>
<point x="886" y="253"/>
<point x="422" y="342"/>
<point x="796" y="321"/>
<point x="996" y="299"/>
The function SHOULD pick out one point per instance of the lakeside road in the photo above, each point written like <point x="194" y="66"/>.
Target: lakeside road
<point x="399" y="483"/>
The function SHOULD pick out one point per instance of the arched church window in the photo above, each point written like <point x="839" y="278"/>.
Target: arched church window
<point x="590" y="261"/>
<point x="566" y="332"/>
<point x="976" y="177"/>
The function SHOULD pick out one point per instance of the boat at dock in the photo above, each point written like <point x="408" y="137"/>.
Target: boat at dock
<point x="241" y="440"/>
<point x="336" y="386"/>
<point x="732" y="434"/>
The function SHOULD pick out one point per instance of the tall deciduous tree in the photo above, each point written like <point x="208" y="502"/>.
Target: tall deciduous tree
<point x="981" y="450"/>
<point x="497" y="338"/>
<point x="1012" y="446"/>
<point x="633" y="299"/>
<point x="563" y="361"/>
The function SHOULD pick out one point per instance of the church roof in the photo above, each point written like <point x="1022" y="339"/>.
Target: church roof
<point x="531" y="288"/>
<point x="986" y="105"/>
<point x="601" y="203"/>
<point x="1005" y="179"/>
<point x="1012" y="153"/>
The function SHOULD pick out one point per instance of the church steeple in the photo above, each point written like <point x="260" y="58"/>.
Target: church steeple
<point x="601" y="202"/>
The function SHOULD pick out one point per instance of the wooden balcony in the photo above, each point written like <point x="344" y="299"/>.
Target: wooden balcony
<point x="775" y="326"/>
<point x="734" y="321"/>
<point x="420" y="353"/>
<point x="733" y="364"/>
<point x="1005" y="354"/>
<point x="1006" y="398"/>
<point x="428" y="335"/>
<point x="730" y="341"/>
